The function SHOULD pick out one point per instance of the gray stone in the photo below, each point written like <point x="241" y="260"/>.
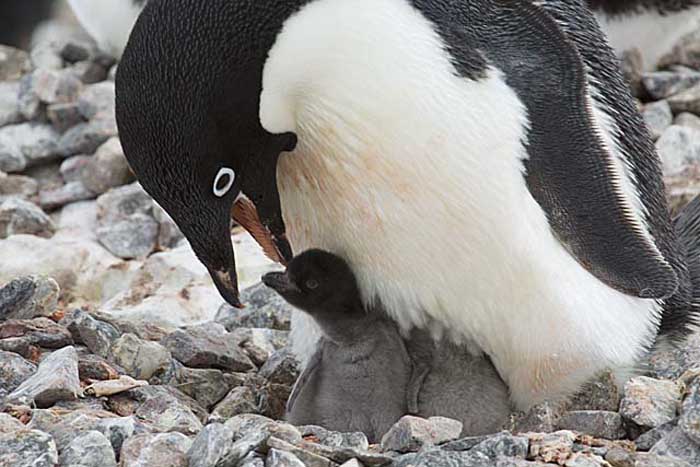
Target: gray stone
<point x="77" y="50"/>
<point x="205" y="385"/>
<point x="28" y="103"/>
<point x="94" y="367"/>
<point x="141" y="359"/>
<point x="89" y="72"/>
<point x="69" y="193"/>
<point x="552" y="447"/>
<point x="123" y="202"/>
<point x="585" y="459"/>
<point x="210" y="446"/>
<point x="8" y="423"/>
<point x="169" y="234"/>
<point x="600" y="393"/>
<point x="168" y="396"/>
<point x="646" y="459"/>
<point x="55" y="87"/>
<point x="13" y="63"/>
<point x="686" y="101"/>
<point x="96" y="335"/>
<point x="97" y="100"/>
<point x="169" y="415"/>
<point x="280" y="372"/>
<point x="306" y="455"/>
<point x="243" y="447"/>
<point x="244" y="424"/>
<point x="264" y="309"/>
<point x="40" y="331"/>
<point x="663" y="84"/>
<point x="445" y="429"/>
<point x="277" y="458"/>
<point x="150" y="450"/>
<point x="72" y="168"/>
<point x="618" y="456"/>
<point x="658" y="117"/>
<point x="17" y="185"/>
<point x="599" y="424"/>
<point x="336" y="439"/>
<point x="503" y="444"/>
<point x="647" y="440"/>
<point x="542" y="418"/>
<point x="252" y="460"/>
<point x="9" y="110"/>
<point x="46" y="56"/>
<point x="55" y="379"/>
<point x="678" y="147"/>
<point x="28" y="448"/>
<point x="240" y="400"/>
<point x="685" y="52"/>
<point x="509" y="462"/>
<point x="90" y="449"/>
<point x="260" y="344"/>
<point x="688" y="120"/>
<point x="689" y="420"/>
<point x="18" y="216"/>
<point x="85" y="138"/>
<point x="135" y="237"/>
<point x="11" y="158"/>
<point x="27" y="144"/>
<point x="437" y="458"/>
<point x="677" y="444"/>
<point x="13" y="371"/>
<point x="29" y="297"/>
<point x="107" y="169"/>
<point x="632" y="66"/>
<point x="64" y="116"/>
<point x="207" y="346"/>
<point x="409" y="434"/>
<point x="650" y="402"/>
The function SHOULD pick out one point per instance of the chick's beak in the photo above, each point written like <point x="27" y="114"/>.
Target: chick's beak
<point x="279" y="282"/>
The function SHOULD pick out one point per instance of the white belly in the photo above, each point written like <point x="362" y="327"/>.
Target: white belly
<point x="652" y="33"/>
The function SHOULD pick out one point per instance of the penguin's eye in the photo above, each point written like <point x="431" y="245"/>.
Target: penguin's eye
<point x="224" y="181"/>
<point x="312" y="284"/>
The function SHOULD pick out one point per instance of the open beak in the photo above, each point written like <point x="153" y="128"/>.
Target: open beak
<point x="226" y="282"/>
<point x="279" y="282"/>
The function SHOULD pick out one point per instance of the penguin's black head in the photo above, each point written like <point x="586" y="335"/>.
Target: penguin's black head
<point x="188" y="92"/>
<point x="317" y="282"/>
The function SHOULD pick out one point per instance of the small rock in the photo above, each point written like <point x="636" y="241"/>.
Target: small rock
<point x="205" y="385"/>
<point x="41" y="332"/>
<point x="17" y="185"/>
<point x="69" y="193"/>
<point x="619" y="457"/>
<point x="599" y="424"/>
<point x="244" y="424"/>
<point x="601" y="393"/>
<point x="89" y="72"/>
<point x="168" y="409"/>
<point x="552" y="447"/>
<point x="678" y="147"/>
<point x="55" y="379"/>
<point x="13" y="63"/>
<point x="141" y="359"/>
<point x="9" y="110"/>
<point x="97" y="336"/>
<point x="336" y="439"/>
<point x="169" y="234"/>
<point x="409" y="434"/>
<point x="541" y="418"/>
<point x="108" y="168"/>
<point x="689" y="421"/>
<point x="585" y="459"/>
<point x="207" y="346"/>
<point x="308" y="457"/>
<point x="277" y="458"/>
<point x="685" y="52"/>
<point x="150" y="450"/>
<point x="55" y="87"/>
<point x="686" y="101"/>
<point x="64" y="116"/>
<point x="13" y="371"/>
<point x="658" y="117"/>
<point x="72" y="168"/>
<point x="445" y="429"/>
<point x="28" y="448"/>
<point x="259" y="344"/>
<point x="8" y="423"/>
<point x="677" y="444"/>
<point x="503" y="444"/>
<point x="663" y="84"/>
<point x="28" y="103"/>
<point x="90" y="449"/>
<point x="94" y="367"/>
<point x="85" y="138"/>
<point x="650" y="402"/>
<point x="240" y="400"/>
<point x="210" y="446"/>
<point x="75" y="51"/>
<point x="437" y="458"/>
<point x="645" y="459"/>
<point x="27" y="144"/>
<point x="264" y="309"/>
<point x="280" y="372"/>
<point x="18" y="216"/>
<point x="632" y="66"/>
<point x="29" y="297"/>
<point x="97" y="99"/>
<point x="647" y="440"/>
<point x="135" y="237"/>
<point x="688" y="120"/>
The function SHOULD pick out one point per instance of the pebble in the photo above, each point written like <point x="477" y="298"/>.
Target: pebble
<point x="336" y="439"/>
<point x="264" y="309"/>
<point x="210" y="445"/>
<point x="86" y="138"/>
<point x="677" y="444"/>
<point x="259" y="344"/>
<point x="689" y="420"/>
<point x="240" y="400"/>
<point x="40" y="331"/>
<point x="438" y="458"/>
<point x="243" y="447"/>
<point x="647" y="440"/>
<point x="135" y="237"/>
<point x="688" y="120"/>
<point x="169" y="234"/>
<point x="619" y="457"/>
<point x="13" y="63"/>
<point x="64" y="116"/>
<point x="542" y="418"/>
<point x="205" y="385"/>
<point x="69" y="193"/>
<point x="96" y="335"/>
<point x="107" y="169"/>
<point x="17" y="185"/>
<point x="141" y="359"/>
<point x="28" y="448"/>
<point x="277" y="458"/>
<point x="8" y="423"/>
<point x="29" y="297"/>
<point x="280" y="373"/>
<point x="169" y="395"/>
<point x="55" y="87"/>
<point x="18" y="216"/>
<point x="650" y="402"/>
<point x="678" y="146"/>
<point x="600" y="393"/>
<point x="26" y="144"/>
<point x="686" y="101"/>
<point x="409" y="434"/>
<point x="55" y="379"/>
<point x="503" y="444"/>
<point x="664" y="84"/>
<point x="552" y="447"/>
<point x="72" y="168"/>
<point x="9" y="110"/>
<point x="207" y="346"/>
<point x="14" y="370"/>
<point x="599" y="424"/>
<point x="658" y="117"/>
<point x="97" y="100"/>
<point x="90" y="449"/>
<point x="150" y="450"/>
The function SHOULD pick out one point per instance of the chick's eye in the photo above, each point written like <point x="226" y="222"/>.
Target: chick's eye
<point x="311" y="284"/>
<point x="223" y="181"/>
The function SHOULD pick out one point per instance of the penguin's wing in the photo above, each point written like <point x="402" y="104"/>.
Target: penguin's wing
<point x="311" y="366"/>
<point x="585" y="188"/>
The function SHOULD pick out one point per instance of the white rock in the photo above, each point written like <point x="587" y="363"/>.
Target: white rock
<point x="658" y="117"/>
<point x="678" y="147"/>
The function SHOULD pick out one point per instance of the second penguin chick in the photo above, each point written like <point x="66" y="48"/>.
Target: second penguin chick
<point x="357" y="379"/>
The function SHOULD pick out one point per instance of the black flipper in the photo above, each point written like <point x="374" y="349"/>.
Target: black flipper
<point x="571" y="172"/>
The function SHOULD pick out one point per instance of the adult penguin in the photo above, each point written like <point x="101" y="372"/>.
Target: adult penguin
<point x="480" y="164"/>
<point x="652" y="26"/>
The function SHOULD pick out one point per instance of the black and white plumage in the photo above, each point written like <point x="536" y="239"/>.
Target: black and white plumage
<point x="493" y="184"/>
<point x="651" y="26"/>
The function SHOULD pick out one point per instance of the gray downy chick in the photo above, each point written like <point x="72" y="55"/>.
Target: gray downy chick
<point x="357" y="378"/>
<point x="449" y="381"/>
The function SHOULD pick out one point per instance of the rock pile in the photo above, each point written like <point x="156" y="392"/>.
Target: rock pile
<point x="115" y="348"/>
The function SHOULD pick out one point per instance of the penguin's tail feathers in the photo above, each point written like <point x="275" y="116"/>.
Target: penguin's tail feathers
<point x="687" y="226"/>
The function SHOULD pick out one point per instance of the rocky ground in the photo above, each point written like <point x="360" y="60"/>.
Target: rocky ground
<point x="116" y="349"/>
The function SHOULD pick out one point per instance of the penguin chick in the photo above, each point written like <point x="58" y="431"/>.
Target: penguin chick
<point x="449" y="381"/>
<point x="357" y="378"/>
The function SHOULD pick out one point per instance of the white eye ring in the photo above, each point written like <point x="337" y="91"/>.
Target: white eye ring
<point x="224" y="172"/>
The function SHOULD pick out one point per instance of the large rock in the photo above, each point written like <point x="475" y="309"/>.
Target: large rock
<point x="677" y="444"/>
<point x="28" y="448"/>
<point x="18" y="216"/>
<point x="28" y="297"/>
<point x="650" y="402"/>
<point x="108" y="168"/>
<point x="141" y="359"/>
<point x="240" y="400"/>
<point x="13" y="371"/>
<point x="56" y="379"/>
<point x="150" y="450"/>
<point x="91" y="449"/>
<point x="210" y="446"/>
